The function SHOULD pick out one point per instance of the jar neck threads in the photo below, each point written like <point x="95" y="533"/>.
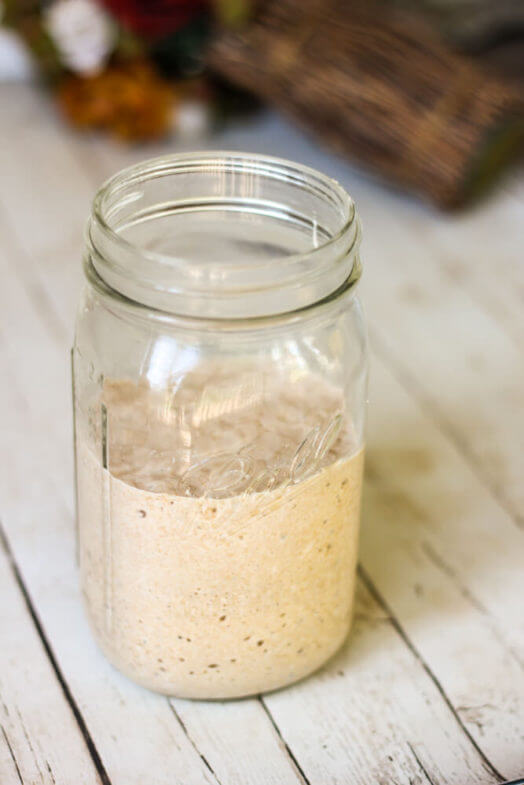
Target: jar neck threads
<point x="224" y="236"/>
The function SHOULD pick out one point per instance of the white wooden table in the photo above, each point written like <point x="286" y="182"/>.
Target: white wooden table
<point x="430" y="687"/>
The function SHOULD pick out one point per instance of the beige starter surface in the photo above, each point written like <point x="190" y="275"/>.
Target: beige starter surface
<point x="224" y="595"/>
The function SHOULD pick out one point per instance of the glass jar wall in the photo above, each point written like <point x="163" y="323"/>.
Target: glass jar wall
<point x="219" y="383"/>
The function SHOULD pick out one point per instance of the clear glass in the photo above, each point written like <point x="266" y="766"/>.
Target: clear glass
<point x="219" y="377"/>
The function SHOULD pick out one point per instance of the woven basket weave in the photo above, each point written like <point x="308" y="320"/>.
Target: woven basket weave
<point x="378" y="85"/>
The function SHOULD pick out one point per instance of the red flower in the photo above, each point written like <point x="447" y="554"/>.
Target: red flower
<point x="154" y="18"/>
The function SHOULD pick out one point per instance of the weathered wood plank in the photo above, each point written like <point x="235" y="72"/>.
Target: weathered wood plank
<point x="32" y="702"/>
<point x="481" y="251"/>
<point x="448" y="560"/>
<point x="135" y="732"/>
<point x="138" y="736"/>
<point x="228" y="756"/>
<point x="422" y="570"/>
<point x="257" y="753"/>
<point x="373" y="715"/>
<point x="48" y="251"/>
<point x="458" y="517"/>
<point x="458" y="360"/>
<point x="239" y="742"/>
<point x="464" y="358"/>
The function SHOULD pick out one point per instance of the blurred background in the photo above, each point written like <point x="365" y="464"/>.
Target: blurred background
<point x="426" y="95"/>
<point x="416" y="108"/>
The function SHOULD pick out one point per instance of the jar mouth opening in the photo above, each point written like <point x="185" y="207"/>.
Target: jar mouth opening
<point x="223" y="234"/>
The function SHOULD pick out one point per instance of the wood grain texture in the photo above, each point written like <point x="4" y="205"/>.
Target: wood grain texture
<point x="431" y="687"/>
<point x="38" y="519"/>
<point x="238" y="741"/>
<point x="32" y="703"/>
<point x="448" y="560"/>
<point x="259" y="744"/>
<point x="459" y="361"/>
<point x="115" y="710"/>
<point x="413" y="737"/>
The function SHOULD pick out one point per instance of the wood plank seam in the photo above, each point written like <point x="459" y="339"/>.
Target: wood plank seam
<point x="201" y="756"/>
<point x="30" y="744"/>
<point x="286" y="746"/>
<point x="486" y="304"/>
<point x="444" y="567"/>
<point x="293" y="759"/>
<point x="68" y="512"/>
<point x="411" y="385"/>
<point x="12" y="754"/>
<point x="410" y="390"/>
<point x="421" y="765"/>
<point x="479" y="282"/>
<point x="277" y="732"/>
<point x="400" y="630"/>
<point x="192" y="741"/>
<point x="50" y="771"/>
<point x="95" y="757"/>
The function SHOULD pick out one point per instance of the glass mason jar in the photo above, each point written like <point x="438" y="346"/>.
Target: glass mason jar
<point x="219" y="385"/>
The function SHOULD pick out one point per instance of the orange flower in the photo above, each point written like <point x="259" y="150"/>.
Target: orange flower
<point x="130" y="100"/>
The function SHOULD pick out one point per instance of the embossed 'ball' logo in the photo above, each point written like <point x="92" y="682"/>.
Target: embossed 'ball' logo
<point x="314" y="448"/>
<point x="223" y="474"/>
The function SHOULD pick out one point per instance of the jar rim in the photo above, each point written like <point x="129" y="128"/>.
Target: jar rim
<point x="225" y="324"/>
<point x="115" y="257"/>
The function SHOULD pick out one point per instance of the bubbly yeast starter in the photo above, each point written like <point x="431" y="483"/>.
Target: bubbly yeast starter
<point x="234" y="574"/>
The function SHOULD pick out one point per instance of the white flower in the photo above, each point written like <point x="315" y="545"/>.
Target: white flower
<point x="192" y="118"/>
<point x="15" y="59"/>
<point x="82" y="33"/>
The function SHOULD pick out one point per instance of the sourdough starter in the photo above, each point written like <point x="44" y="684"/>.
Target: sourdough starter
<point x="218" y="561"/>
